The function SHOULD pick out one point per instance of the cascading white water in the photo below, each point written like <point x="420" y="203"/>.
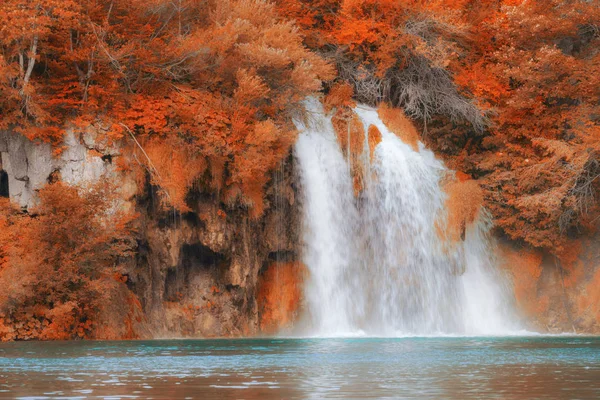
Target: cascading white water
<point x="377" y="265"/>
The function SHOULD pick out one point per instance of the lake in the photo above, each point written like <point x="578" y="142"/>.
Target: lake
<point x="446" y="367"/>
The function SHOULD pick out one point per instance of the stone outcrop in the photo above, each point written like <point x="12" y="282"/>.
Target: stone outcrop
<point x="28" y="166"/>
<point x="31" y="165"/>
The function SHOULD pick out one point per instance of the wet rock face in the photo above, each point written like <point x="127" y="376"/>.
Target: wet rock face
<point x="553" y="297"/>
<point x="197" y="273"/>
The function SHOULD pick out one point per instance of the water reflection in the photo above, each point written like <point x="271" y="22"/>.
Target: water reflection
<point x="515" y="368"/>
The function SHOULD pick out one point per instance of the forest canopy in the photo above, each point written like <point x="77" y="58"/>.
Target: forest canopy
<point x="506" y="91"/>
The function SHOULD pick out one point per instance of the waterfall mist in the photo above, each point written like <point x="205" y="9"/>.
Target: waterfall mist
<point x="377" y="263"/>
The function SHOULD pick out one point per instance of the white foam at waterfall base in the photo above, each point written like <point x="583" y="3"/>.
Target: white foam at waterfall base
<point x="377" y="265"/>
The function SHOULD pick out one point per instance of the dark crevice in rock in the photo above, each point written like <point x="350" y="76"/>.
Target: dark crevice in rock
<point x="283" y="256"/>
<point x="229" y="287"/>
<point x="171" y="285"/>
<point x="169" y="219"/>
<point x="3" y="184"/>
<point x="193" y="219"/>
<point x="197" y="255"/>
<point x="54" y="176"/>
<point x="196" y="259"/>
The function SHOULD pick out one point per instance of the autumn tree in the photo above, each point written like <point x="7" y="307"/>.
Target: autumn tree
<point x="533" y="65"/>
<point x="394" y="51"/>
<point x="58" y="264"/>
<point x="28" y="31"/>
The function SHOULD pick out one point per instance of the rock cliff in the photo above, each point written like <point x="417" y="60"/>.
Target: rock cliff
<point x="195" y="274"/>
<point x="216" y="271"/>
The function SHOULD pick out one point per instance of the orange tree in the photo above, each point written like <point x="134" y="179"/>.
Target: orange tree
<point x="58" y="264"/>
<point x="534" y="66"/>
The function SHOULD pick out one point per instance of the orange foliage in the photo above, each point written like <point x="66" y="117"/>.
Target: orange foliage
<point x="534" y="64"/>
<point x="175" y="167"/>
<point x="57" y="264"/>
<point x="339" y="96"/>
<point x="279" y="295"/>
<point x="376" y="32"/>
<point x="379" y="46"/>
<point x="204" y="91"/>
<point x="506" y="90"/>
<point x="28" y="27"/>
<point x="395" y="120"/>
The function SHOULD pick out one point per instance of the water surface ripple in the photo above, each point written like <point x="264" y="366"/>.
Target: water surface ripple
<point x="351" y="368"/>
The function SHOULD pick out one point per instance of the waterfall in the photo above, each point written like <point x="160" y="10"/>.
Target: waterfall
<point x="377" y="265"/>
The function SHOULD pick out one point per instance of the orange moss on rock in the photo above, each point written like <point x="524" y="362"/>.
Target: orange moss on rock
<point x="526" y="268"/>
<point x="551" y="296"/>
<point x="589" y="301"/>
<point x="569" y="254"/>
<point x="122" y="317"/>
<point x="374" y="140"/>
<point x="463" y="204"/>
<point x="397" y="122"/>
<point x="279" y="295"/>
<point x="461" y="176"/>
<point x="351" y="136"/>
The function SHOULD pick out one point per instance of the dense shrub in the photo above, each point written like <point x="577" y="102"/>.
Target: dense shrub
<point x="59" y="263"/>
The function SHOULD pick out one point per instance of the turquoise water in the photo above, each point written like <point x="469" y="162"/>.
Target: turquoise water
<point x="515" y="368"/>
